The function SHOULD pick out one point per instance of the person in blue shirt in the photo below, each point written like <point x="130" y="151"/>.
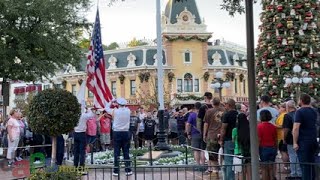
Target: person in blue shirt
<point x="305" y="136"/>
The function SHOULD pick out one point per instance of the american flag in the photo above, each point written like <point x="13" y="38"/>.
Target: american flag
<point x="96" y="76"/>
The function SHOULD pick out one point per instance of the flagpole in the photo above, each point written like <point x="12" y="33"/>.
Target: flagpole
<point x="161" y="145"/>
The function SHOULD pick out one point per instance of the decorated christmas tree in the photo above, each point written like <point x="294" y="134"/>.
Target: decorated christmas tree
<point x="289" y="37"/>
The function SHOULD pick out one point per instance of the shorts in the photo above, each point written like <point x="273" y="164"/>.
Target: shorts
<point x="267" y="154"/>
<point x="91" y="139"/>
<point x="282" y="147"/>
<point x="213" y="147"/>
<point x="149" y="137"/>
<point x="196" y="141"/>
<point x="105" y="138"/>
<point x="173" y="135"/>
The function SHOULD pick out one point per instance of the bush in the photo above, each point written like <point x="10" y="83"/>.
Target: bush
<point x="53" y="112"/>
<point x="58" y="175"/>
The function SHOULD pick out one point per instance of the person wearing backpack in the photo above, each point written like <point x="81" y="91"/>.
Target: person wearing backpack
<point x="194" y="134"/>
<point x="288" y="120"/>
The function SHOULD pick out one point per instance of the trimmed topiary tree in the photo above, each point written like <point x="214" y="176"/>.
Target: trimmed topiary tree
<point x="53" y="112"/>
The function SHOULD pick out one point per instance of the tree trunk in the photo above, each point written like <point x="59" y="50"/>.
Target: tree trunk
<point x="54" y="151"/>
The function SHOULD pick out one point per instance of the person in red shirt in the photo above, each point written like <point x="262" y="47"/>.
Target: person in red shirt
<point x="105" y="129"/>
<point x="267" y="134"/>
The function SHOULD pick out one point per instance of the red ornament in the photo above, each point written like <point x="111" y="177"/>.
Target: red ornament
<point x="269" y="63"/>
<point x="279" y="25"/>
<point x="311" y="86"/>
<point x="282" y="63"/>
<point x="298" y="6"/>
<point x="307" y="66"/>
<point x="279" y="39"/>
<point x="312" y="74"/>
<point x="265" y="54"/>
<point x="309" y="14"/>
<point x="280" y="8"/>
<point x="270" y="7"/>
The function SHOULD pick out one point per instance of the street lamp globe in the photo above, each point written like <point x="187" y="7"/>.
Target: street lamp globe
<point x="288" y="80"/>
<point x="295" y="80"/>
<point x="297" y="69"/>
<point x="306" y="80"/>
<point x="219" y="75"/>
<point x="226" y="84"/>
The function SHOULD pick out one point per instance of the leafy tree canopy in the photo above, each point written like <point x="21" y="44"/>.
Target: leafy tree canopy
<point x="53" y="112"/>
<point x="233" y="6"/>
<point x="134" y="42"/>
<point x="39" y="37"/>
<point x="112" y="46"/>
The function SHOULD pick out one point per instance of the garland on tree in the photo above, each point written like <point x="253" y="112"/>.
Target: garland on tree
<point x="187" y="38"/>
<point x="289" y="36"/>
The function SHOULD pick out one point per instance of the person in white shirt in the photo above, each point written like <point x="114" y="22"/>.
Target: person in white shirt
<point x="121" y="134"/>
<point x="80" y="138"/>
<point x="142" y="115"/>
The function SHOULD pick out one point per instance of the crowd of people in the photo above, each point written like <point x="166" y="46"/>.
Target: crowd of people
<point x="210" y="128"/>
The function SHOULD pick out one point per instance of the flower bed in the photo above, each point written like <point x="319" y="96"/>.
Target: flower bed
<point x="106" y="158"/>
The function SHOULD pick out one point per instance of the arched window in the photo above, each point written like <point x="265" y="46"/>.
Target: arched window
<point x="188" y="83"/>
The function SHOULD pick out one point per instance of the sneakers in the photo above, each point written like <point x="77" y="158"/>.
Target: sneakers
<point x="10" y="163"/>
<point x="129" y="173"/>
<point x="18" y="158"/>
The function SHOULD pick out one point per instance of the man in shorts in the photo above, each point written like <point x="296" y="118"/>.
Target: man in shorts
<point x="211" y="133"/>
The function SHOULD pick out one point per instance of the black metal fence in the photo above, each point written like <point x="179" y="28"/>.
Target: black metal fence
<point x="195" y="172"/>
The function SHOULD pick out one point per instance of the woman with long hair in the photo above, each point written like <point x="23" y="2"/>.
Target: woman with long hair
<point x="241" y="138"/>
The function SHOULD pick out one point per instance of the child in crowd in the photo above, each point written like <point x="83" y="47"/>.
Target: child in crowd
<point x="267" y="134"/>
<point x="150" y="128"/>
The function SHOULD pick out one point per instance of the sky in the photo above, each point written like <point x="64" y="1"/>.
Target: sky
<point x="130" y="19"/>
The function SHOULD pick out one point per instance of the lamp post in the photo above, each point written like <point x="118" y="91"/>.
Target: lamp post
<point x="299" y="77"/>
<point x="219" y="83"/>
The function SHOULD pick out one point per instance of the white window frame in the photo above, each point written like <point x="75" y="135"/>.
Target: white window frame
<point x="184" y="56"/>
<point x="194" y="86"/>
<point x="133" y="91"/>
<point x="181" y="84"/>
<point x="74" y="91"/>
<point x="114" y="88"/>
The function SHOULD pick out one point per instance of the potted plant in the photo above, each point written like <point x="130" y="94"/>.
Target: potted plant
<point x="64" y="83"/>
<point x="141" y="77"/>
<point x="206" y="76"/>
<point x="241" y="77"/>
<point x="230" y="76"/>
<point x="122" y="78"/>
<point x="146" y="76"/>
<point x="80" y="81"/>
<point x="171" y="76"/>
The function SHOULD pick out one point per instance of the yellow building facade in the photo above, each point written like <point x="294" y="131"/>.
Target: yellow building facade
<point x="190" y="62"/>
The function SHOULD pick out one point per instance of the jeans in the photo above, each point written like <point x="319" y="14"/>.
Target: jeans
<point x="121" y="142"/>
<point x="228" y="148"/>
<point x="181" y="137"/>
<point x="79" y="148"/>
<point x="294" y="162"/>
<point x="60" y="150"/>
<point x="306" y="154"/>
